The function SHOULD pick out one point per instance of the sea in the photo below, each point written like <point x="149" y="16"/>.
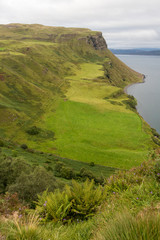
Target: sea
<point x="147" y="93"/>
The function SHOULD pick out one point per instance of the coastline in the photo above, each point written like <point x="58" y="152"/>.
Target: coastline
<point x="143" y="81"/>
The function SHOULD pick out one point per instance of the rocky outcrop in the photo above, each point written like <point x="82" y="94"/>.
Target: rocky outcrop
<point x="97" y="41"/>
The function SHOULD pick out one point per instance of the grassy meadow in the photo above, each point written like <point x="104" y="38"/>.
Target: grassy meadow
<point x="53" y="79"/>
<point x="95" y="129"/>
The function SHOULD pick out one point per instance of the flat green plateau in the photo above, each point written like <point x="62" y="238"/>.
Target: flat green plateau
<point x="89" y="128"/>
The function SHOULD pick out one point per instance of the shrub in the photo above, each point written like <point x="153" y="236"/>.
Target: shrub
<point x="155" y="133"/>
<point x="131" y="103"/>
<point x="33" y="130"/>
<point x="10" y="170"/>
<point x="79" y="201"/>
<point x="85" y="173"/>
<point x="1" y="143"/>
<point x="24" y="146"/>
<point x="67" y="173"/>
<point x="117" y="94"/>
<point x="58" y="167"/>
<point x="92" y="164"/>
<point x="64" y="171"/>
<point x="29" y="185"/>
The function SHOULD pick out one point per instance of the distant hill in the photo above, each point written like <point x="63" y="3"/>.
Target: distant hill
<point x="138" y="51"/>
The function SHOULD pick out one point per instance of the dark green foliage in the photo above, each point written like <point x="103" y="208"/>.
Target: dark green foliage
<point x="68" y="173"/>
<point x="61" y="170"/>
<point x="117" y="94"/>
<point x="155" y="133"/>
<point x="24" y="146"/>
<point x="131" y="103"/>
<point x="59" y="166"/>
<point x="116" y="103"/>
<point x="92" y="164"/>
<point x="78" y="202"/>
<point x="157" y="171"/>
<point x="1" y="143"/>
<point x="10" y="170"/>
<point x="29" y="185"/>
<point x="33" y="130"/>
<point x="85" y="173"/>
<point x="156" y="140"/>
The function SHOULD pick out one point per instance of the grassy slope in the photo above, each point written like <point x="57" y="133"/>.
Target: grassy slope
<point x="54" y="80"/>
<point x="94" y="129"/>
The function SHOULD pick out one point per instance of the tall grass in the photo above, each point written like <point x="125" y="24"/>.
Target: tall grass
<point x="127" y="227"/>
<point x="25" y="228"/>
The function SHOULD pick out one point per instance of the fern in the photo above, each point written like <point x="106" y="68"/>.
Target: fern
<point x="79" y="201"/>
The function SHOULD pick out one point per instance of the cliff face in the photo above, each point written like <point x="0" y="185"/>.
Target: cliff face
<point x="97" y="41"/>
<point x="52" y="34"/>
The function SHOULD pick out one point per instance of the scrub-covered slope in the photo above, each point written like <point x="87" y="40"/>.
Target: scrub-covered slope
<point x="61" y="92"/>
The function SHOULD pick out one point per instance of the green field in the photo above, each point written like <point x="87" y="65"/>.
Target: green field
<point x="89" y="128"/>
<point x="52" y="78"/>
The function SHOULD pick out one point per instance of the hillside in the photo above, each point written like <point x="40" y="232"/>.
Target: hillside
<point x="72" y="145"/>
<point x="62" y="92"/>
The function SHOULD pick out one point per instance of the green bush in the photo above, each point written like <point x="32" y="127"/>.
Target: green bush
<point x="91" y="164"/>
<point x="131" y="103"/>
<point x="29" y="185"/>
<point x="117" y="93"/>
<point x="79" y="201"/>
<point x="24" y="146"/>
<point x="1" y="143"/>
<point x="155" y="133"/>
<point x="33" y="130"/>
<point x="85" y="173"/>
<point x="58" y="166"/>
<point x="67" y="173"/>
<point x="61" y="170"/>
<point x="10" y="170"/>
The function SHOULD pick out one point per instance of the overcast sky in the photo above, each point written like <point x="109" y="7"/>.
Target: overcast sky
<point x="124" y="23"/>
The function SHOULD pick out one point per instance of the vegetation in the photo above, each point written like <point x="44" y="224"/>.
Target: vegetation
<point x="72" y="146"/>
<point x="78" y="202"/>
<point x="62" y="93"/>
<point x="126" y="207"/>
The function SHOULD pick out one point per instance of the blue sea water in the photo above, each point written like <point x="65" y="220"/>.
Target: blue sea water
<point x="147" y="93"/>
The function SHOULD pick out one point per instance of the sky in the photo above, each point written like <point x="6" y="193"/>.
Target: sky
<point x="124" y="23"/>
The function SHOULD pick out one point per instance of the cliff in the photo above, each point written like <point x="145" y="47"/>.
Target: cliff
<point x="52" y="34"/>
